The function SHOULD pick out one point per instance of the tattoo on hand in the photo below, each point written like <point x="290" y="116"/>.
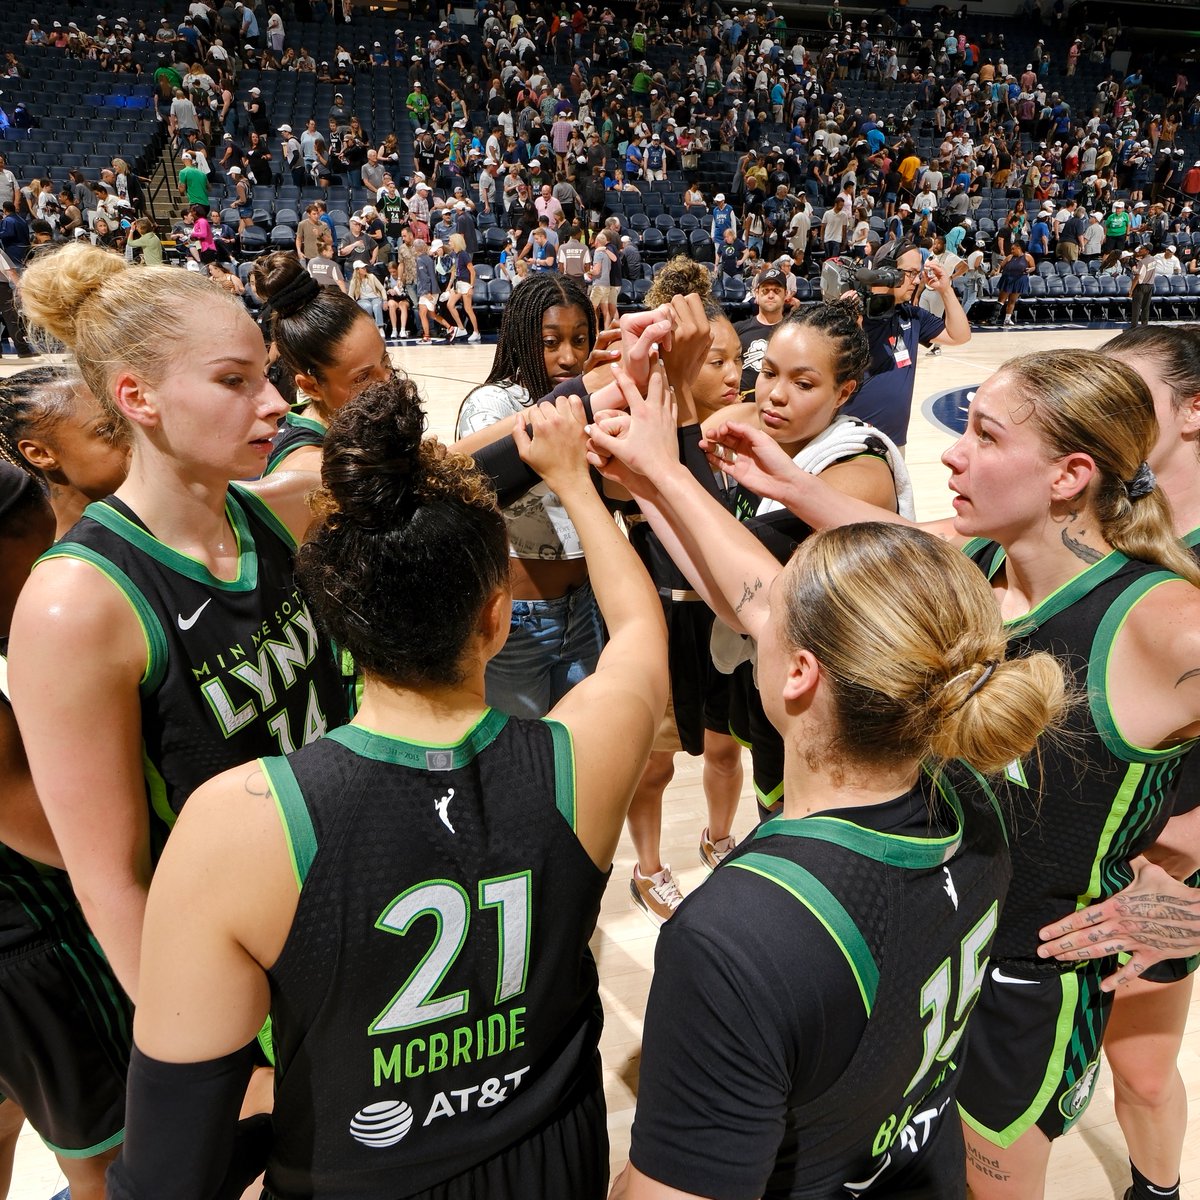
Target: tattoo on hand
<point x="1080" y="549"/>
<point x="749" y="591"/>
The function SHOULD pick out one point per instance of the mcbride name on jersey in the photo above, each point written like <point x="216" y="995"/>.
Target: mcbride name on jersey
<point x="235" y="668"/>
<point x="435" y="1001"/>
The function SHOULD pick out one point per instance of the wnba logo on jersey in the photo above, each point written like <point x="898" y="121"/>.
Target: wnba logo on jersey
<point x="382" y="1124"/>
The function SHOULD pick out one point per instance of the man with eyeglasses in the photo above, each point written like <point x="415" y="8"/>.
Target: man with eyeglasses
<point x="885" y="397"/>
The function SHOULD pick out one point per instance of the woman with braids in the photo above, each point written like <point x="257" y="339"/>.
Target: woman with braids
<point x="164" y="637"/>
<point x="67" y="1024"/>
<point x="433" y="830"/>
<point x="548" y="331"/>
<point x="52" y="427"/>
<point x="1055" y="500"/>
<point x="328" y="343"/>
<point x="814" y="1049"/>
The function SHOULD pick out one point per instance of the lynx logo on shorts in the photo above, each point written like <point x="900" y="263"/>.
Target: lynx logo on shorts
<point x="1076" y="1099"/>
<point x="381" y="1124"/>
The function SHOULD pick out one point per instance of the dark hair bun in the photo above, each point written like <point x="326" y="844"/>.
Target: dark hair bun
<point x="282" y="279"/>
<point x="373" y="466"/>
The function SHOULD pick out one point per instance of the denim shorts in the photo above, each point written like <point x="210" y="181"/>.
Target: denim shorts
<point x="552" y="645"/>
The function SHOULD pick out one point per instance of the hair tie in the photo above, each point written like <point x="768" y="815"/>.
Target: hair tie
<point x="295" y="294"/>
<point x="1142" y="483"/>
<point x="989" y="667"/>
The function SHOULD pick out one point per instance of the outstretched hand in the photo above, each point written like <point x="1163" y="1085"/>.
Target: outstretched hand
<point x="1154" y="919"/>
<point x="552" y="441"/>
<point x="640" y="442"/>
<point x="750" y="457"/>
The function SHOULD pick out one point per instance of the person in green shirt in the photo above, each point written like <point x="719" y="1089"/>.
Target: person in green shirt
<point x="145" y="242"/>
<point x="1116" y="227"/>
<point x="418" y="106"/>
<point x="641" y="82"/>
<point x="193" y="183"/>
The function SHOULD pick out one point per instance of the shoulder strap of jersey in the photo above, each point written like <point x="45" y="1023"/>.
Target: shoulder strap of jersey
<point x="255" y="504"/>
<point x="985" y="554"/>
<point x="152" y="630"/>
<point x="293" y="815"/>
<point x="806" y="888"/>
<point x="1106" y="634"/>
<point x="564" y="771"/>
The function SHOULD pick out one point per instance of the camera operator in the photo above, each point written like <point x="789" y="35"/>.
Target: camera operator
<point x="895" y="328"/>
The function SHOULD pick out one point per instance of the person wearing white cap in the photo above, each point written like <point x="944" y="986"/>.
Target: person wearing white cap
<point x="368" y="293"/>
<point x="723" y="218"/>
<point x="1168" y="261"/>
<point x="1117" y="226"/>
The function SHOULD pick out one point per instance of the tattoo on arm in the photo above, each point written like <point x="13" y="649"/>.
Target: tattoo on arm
<point x="749" y="591"/>
<point x="256" y="784"/>
<point x="1187" y="675"/>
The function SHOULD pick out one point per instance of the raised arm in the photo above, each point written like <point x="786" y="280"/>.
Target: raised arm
<point x="622" y="702"/>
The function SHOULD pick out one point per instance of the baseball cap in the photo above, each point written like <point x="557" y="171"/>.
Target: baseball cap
<point x="285" y="129"/>
<point x="719" y="197"/>
<point x="436" y="244"/>
<point x="358" y="262"/>
<point x="770" y="278"/>
<point x="535" y="162"/>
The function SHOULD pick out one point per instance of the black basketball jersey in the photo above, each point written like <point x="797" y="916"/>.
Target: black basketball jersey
<point x="34" y="899"/>
<point x="911" y="902"/>
<point x="435" y="1001"/>
<point x="296" y="431"/>
<point x="1088" y="801"/>
<point x="235" y="669"/>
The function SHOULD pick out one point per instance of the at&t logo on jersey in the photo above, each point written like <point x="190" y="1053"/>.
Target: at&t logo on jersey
<point x="382" y="1124"/>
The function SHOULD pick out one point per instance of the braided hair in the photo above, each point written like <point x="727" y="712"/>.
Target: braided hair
<point x="519" y="358"/>
<point x="839" y="323"/>
<point x="30" y="402"/>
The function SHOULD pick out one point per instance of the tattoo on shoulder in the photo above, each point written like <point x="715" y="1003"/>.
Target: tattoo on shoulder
<point x="256" y="784"/>
<point x="1187" y="675"/>
<point x="749" y="591"/>
<point x="1081" y="549"/>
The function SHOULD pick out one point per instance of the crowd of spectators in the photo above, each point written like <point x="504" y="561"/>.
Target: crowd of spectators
<point x="547" y="140"/>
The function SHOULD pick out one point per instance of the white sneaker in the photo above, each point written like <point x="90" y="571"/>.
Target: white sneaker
<point x="1008" y="320"/>
<point x="459" y="333"/>
<point x="475" y="337"/>
<point x="658" y="896"/>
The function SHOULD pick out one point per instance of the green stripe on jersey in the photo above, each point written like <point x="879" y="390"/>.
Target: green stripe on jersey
<point x="246" y="579"/>
<point x="266" y="514"/>
<point x="910" y="853"/>
<point x="564" y="772"/>
<point x="1100" y="671"/>
<point x="424" y="756"/>
<point x="293" y="816"/>
<point x="152" y="630"/>
<point x="802" y="885"/>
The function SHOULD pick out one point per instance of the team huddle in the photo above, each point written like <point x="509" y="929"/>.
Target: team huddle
<point x="365" y="714"/>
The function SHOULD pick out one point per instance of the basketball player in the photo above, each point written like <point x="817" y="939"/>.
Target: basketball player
<point x="412" y="895"/>
<point x="1055" y="501"/>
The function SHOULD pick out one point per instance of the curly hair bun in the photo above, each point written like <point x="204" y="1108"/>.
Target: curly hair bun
<point x="682" y="276"/>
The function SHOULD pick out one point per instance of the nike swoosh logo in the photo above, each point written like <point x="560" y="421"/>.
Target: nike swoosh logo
<point x="862" y="1187"/>
<point x="186" y="623"/>
<point x="1000" y="977"/>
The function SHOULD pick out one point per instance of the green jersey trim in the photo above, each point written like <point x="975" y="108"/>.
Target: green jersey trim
<point x="246" y="579"/>
<point x="975" y="544"/>
<point x="425" y="756"/>
<point x="895" y="850"/>
<point x="293" y="816"/>
<point x="1066" y="594"/>
<point x="266" y="514"/>
<point x="147" y="618"/>
<point x="993" y="800"/>
<point x="1100" y="668"/>
<point x="805" y="887"/>
<point x="156" y="786"/>
<point x="1191" y="539"/>
<point x="295" y="420"/>
<point x="1063" y="1030"/>
<point x="88" y="1151"/>
<point x="564" y="773"/>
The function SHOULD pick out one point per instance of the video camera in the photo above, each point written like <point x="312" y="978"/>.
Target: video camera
<point x="841" y="275"/>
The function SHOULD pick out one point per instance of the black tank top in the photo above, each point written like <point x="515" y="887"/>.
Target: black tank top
<point x="235" y="669"/>
<point x="35" y="900"/>
<point x="1088" y="801"/>
<point x="915" y="918"/>
<point x="296" y="431"/>
<point x="435" y="1000"/>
